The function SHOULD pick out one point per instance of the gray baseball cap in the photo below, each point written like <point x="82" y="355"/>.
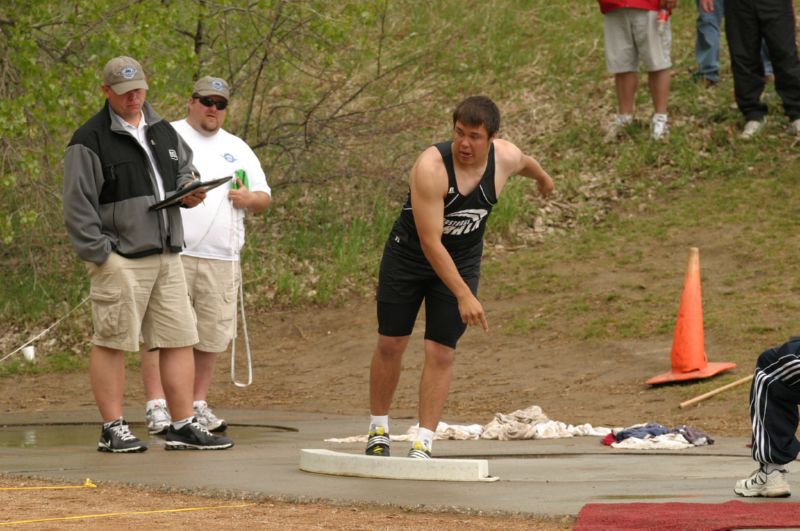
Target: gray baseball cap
<point x="124" y="74"/>
<point x="211" y="86"/>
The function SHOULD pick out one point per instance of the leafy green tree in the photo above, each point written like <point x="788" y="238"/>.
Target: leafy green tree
<point x="323" y="91"/>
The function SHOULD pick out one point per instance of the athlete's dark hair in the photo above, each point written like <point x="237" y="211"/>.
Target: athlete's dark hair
<point x="478" y="110"/>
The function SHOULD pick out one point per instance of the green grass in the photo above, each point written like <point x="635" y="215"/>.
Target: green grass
<point x="622" y="279"/>
<point x="58" y="362"/>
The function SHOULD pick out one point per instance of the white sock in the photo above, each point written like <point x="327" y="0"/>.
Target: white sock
<point x="659" y="117"/>
<point x="156" y="402"/>
<point x="379" y="421"/>
<point x="107" y="425"/>
<point x="426" y="436"/>
<point x="198" y="404"/>
<point x="770" y="468"/>
<point x="178" y="424"/>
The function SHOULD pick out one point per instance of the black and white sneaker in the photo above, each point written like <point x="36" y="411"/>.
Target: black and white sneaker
<point x="194" y="436"/>
<point x="118" y="439"/>
<point x="378" y="442"/>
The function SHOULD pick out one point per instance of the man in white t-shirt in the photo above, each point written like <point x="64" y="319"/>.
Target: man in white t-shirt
<point x="214" y="233"/>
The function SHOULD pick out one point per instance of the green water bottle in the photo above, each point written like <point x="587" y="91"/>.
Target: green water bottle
<point x="237" y="176"/>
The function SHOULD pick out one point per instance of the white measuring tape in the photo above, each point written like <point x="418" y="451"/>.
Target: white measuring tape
<point x="246" y="337"/>
<point x="43" y="332"/>
<point x="236" y="266"/>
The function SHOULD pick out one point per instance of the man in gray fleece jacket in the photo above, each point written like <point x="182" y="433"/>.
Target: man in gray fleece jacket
<point x="120" y="162"/>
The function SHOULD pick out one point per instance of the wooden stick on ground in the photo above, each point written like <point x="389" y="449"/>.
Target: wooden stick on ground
<point x="715" y="391"/>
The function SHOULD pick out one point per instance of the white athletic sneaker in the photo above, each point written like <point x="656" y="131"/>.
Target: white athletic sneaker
<point x="158" y="419"/>
<point x="617" y="125"/>
<point x="794" y="128"/>
<point x="752" y="128"/>
<point x="207" y="418"/>
<point x="659" y="127"/>
<point x="772" y="485"/>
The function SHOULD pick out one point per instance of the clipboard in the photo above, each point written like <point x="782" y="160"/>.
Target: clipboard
<point x="176" y="198"/>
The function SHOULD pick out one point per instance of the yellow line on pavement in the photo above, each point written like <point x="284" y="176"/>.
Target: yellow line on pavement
<point x="108" y="515"/>
<point x="86" y="485"/>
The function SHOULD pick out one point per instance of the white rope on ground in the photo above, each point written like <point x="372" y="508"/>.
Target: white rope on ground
<point x="40" y="334"/>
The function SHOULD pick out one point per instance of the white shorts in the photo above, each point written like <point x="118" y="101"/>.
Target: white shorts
<point x="631" y="36"/>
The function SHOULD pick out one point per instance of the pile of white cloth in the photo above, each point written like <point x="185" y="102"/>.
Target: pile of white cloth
<point x="530" y="423"/>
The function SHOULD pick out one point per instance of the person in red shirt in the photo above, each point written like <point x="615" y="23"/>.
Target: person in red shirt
<point x="638" y="31"/>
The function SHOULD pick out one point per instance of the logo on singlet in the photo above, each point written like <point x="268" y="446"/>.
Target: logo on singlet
<point x="464" y="221"/>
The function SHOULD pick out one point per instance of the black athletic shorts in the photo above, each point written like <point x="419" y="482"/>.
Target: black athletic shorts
<point x="405" y="281"/>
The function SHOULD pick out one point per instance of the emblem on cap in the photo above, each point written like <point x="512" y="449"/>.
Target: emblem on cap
<point x="217" y="84"/>
<point x="128" y="72"/>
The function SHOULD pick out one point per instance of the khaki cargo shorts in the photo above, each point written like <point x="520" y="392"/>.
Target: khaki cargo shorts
<point x="213" y="286"/>
<point x="141" y="297"/>
<point x="631" y="36"/>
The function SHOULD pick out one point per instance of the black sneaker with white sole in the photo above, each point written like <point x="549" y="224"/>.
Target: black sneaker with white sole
<point x="378" y="442"/>
<point x="419" y="451"/>
<point x="118" y="439"/>
<point x="194" y="436"/>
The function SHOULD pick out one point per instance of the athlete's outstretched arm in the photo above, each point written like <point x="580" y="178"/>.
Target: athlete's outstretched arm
<point x="515" y="162"/>
<point x="428" y="190"/>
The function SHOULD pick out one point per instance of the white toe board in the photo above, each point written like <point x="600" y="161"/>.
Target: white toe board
<point x="343" y="464"/>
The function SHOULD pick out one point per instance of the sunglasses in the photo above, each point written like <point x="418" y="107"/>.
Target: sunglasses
<point x="208" y="102"/>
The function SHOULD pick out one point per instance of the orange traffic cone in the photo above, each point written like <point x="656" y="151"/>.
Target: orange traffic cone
<point x="689" y="361"/>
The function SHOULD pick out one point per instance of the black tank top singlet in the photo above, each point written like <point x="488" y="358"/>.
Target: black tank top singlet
<point x="465" y="216"/>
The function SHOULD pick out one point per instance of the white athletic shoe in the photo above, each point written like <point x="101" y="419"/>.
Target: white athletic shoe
<point x="158" y="419"/>
<point x="616" y="126"/>
<point x="752" y="128"/>
<point x="794" y="127"/>
<point x="772" y="485"/>
<point x="207" y="418"/>
<point x="659" y="127"/>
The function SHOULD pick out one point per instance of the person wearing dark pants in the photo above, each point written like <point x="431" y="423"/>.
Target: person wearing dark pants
<point x="774" y="396"/>
<point x="707" y="45"/>
<point x="747" y="23"/>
